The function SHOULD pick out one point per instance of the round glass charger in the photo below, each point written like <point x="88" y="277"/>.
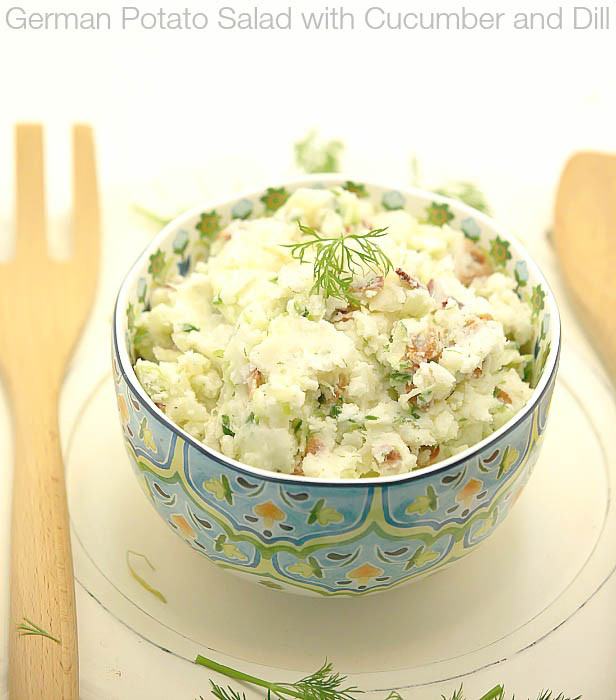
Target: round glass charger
<point x="550" y="556"/>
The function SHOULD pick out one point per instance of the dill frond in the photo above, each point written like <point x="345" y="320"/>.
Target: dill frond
<point x="327" y="684"/>
<point x="323" y="684"/>
<point x="466" y="192"/>
<point x="314" y="157"/>
<point x="225" y="693"/>
<point x="28" y="628"/>
<point x="338" y="260"/>
<point x="152" y="216"/>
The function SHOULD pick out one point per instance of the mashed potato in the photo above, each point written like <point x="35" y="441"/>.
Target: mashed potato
<point x="245" y="356"/>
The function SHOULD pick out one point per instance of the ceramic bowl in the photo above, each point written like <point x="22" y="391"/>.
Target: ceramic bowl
<point x="330" y="538"/>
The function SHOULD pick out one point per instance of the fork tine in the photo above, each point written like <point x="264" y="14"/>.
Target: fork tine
<point x="31" y="220"/>
<point x="86" y="218"/>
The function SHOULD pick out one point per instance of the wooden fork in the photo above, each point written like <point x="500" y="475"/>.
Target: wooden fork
<point x="43" y="305"/>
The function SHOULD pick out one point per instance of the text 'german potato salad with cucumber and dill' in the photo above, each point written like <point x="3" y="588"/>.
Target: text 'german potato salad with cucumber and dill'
<point x="337" y="340"/>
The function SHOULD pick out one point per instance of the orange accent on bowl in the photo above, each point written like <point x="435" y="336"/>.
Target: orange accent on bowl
<point x="466" y="494"/>
<point x="123" y="409"/>
<point x="362" y="574"/>
<point x="270" y="513"/>
<point x="183" y="525"/>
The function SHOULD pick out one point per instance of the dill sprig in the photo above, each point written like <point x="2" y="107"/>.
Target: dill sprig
<point x="27" y="628"/>
<point x="315" y="157"/>
<point x="323" y="684"/>
<point x="498" y="693"/>
<point x="466" y="192"/>
<point x="338" y="260"/>
<point x="152" y="216"/>
<point x="463" y="190"/>
<point x="140" y="580"/>
<point x="326" y="684"/>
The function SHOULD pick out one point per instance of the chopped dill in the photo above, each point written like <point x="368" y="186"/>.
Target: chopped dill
<point x="336" y="409"/>
<point x="226" y="426"/>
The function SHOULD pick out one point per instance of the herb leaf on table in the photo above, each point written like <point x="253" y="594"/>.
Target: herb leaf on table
<point x="323" y="684"/>
<point x="327" y="684"/>
<point x="314" y="157"/>
<point x="466" y="192"/>
<point x="28" y="628"/>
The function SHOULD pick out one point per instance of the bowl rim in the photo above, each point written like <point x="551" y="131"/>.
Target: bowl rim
<point x="331" y="180"/>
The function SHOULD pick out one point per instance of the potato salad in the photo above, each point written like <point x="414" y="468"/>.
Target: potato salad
<point x="257" y="356"/>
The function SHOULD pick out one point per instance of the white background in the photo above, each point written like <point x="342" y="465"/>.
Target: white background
<point x="183" y="115"/>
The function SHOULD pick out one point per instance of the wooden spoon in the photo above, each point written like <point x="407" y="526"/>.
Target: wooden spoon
<point x="585" y="241"/>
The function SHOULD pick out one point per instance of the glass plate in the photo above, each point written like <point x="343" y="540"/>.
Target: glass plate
<point x="551" y="555"/>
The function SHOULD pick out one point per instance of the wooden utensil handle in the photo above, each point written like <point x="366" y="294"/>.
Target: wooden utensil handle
<point x="42" y="588"/>
<point x="584" y="236"/>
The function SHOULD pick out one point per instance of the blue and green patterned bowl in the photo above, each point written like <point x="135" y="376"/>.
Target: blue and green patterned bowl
<point x="331" y="538"/>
